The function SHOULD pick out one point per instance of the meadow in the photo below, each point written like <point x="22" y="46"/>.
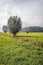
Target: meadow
<point x="23" y="49"/>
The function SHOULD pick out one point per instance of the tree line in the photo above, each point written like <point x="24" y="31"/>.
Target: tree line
<point x="14" y="25"/>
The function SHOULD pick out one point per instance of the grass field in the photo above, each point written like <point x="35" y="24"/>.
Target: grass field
<point x="24" y="49"/>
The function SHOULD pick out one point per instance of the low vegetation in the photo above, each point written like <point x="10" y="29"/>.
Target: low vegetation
<point x="24" y="49"/>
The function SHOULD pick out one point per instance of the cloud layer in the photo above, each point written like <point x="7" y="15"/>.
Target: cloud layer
<point x="30" y="11"/>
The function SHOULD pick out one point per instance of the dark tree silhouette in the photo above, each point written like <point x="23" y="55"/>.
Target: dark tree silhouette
<point x="5" y="28"/>
<point x="14" y="24"/>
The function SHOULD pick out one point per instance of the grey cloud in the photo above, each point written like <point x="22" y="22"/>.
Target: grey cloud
<point x="30" y="11"/>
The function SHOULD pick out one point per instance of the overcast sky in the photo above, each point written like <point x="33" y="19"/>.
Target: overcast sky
<point x="30" y="11"/>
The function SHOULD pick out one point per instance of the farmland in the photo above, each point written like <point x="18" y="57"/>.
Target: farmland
<point x="23" y="49"/>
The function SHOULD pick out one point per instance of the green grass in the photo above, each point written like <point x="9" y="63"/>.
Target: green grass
<point x="24" y="49"/>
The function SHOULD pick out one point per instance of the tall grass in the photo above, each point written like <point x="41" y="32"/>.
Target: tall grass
<point x="24" y="49"/>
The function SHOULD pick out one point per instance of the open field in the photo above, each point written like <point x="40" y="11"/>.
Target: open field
<point x="24" y="49"/>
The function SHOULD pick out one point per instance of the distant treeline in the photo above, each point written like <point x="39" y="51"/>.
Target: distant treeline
<point x="32" y="29"/>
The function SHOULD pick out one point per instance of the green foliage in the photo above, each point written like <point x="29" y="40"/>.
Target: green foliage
<point x="5" y="28"/>
<point x="21" y="50"/>
<point x="14" y="24"/>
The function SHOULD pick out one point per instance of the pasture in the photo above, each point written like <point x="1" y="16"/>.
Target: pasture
<point x="24" y="49"/>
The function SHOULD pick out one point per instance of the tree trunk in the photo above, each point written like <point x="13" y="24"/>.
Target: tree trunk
<point x="14" y="35"/>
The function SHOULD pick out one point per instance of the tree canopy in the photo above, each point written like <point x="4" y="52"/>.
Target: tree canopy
<point x="14" y="24"/>
<point x="5" y="28"/>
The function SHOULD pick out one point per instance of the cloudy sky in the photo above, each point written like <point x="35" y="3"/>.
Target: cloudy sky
<point x="30" y="11"/>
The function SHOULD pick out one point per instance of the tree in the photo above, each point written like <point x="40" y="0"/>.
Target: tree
<point x="27" y="31"/>
<point x="14" y="24"/>
<point x="5" y="28"/>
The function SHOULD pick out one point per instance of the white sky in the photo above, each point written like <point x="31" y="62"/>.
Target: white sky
<point x="30" y="11"/>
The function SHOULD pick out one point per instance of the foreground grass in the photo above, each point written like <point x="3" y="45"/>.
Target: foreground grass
<point x="25" y="49"/>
